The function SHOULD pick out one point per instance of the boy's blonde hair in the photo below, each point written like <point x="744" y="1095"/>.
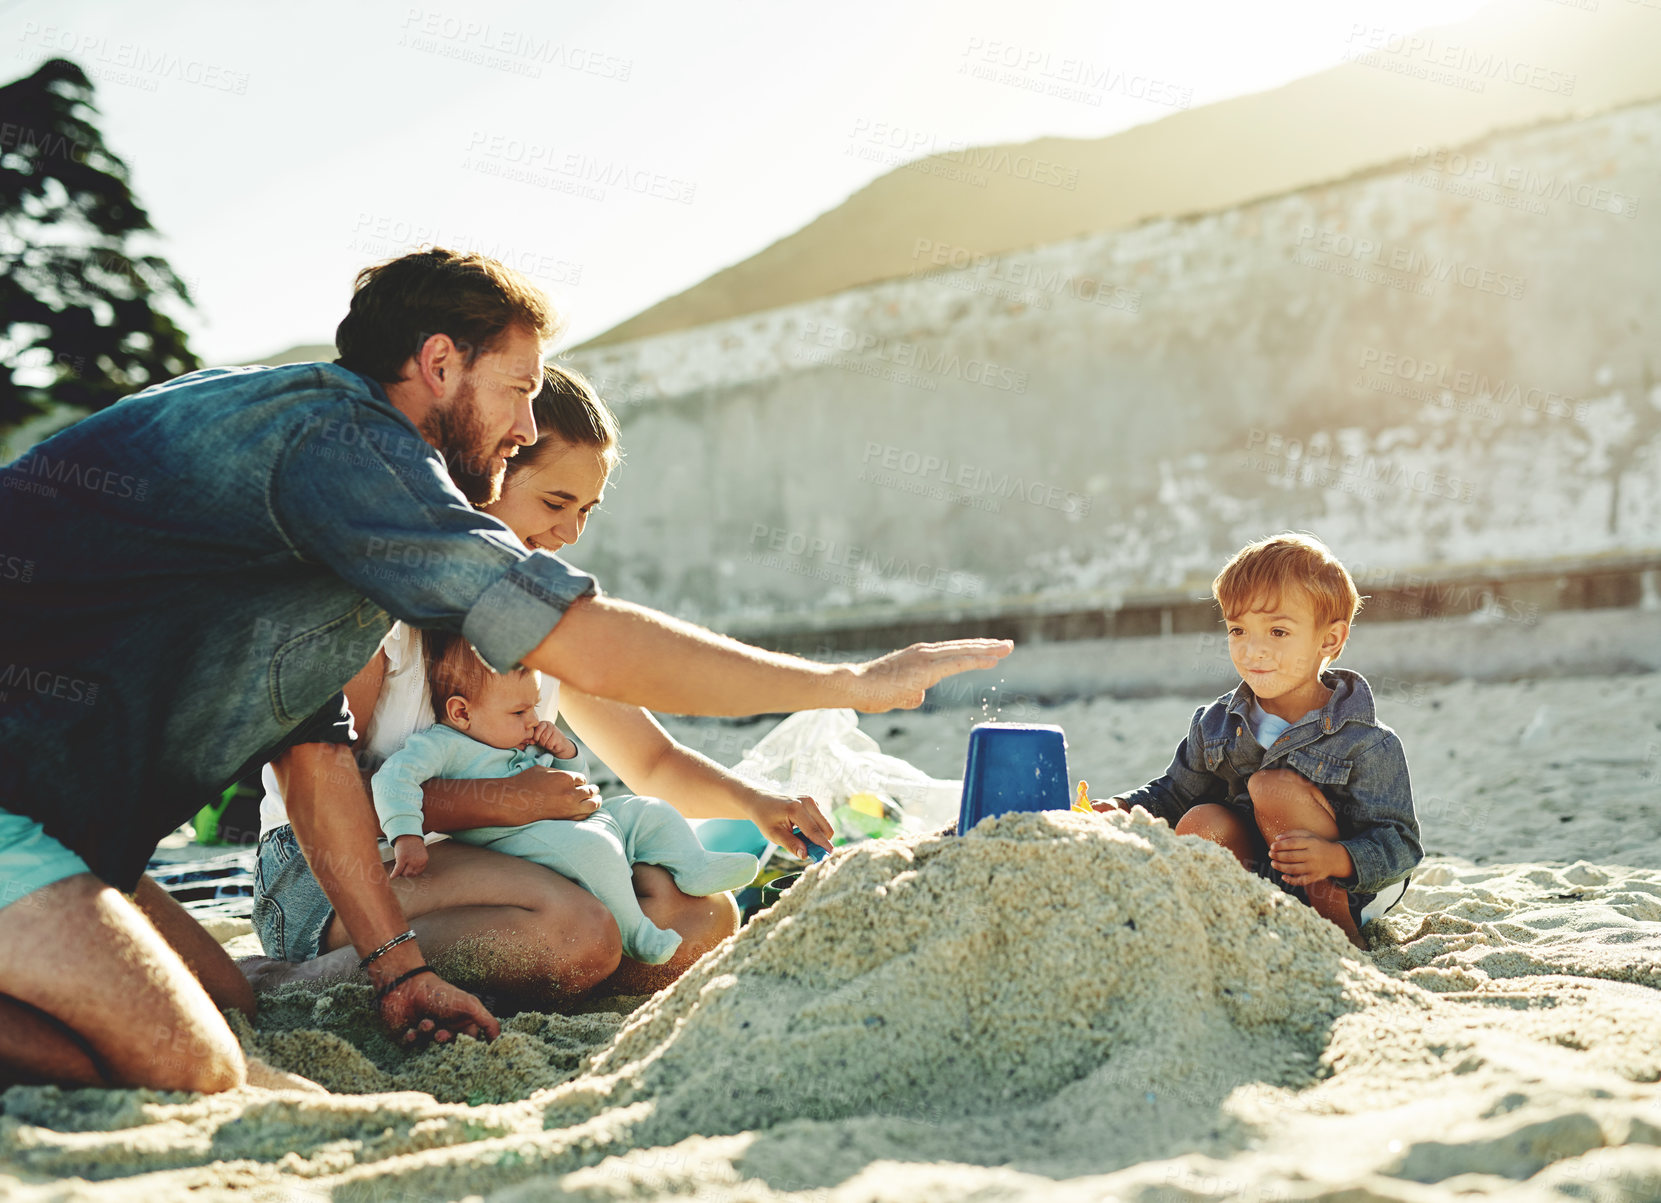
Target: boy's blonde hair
<point x="1262" y="571"/>
<point x="454" y="668"/>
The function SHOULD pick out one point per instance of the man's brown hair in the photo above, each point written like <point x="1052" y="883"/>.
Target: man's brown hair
<point x="398" y="305"/>
<point x="1261" y="572"/>
<point x="453" y="667"/>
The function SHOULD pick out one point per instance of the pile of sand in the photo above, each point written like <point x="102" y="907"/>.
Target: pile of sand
<point x="933" y="979"/>
<point x="1056" y="1006"/>
<point x="951" y="979"/>
<point x="1054" y="967"/>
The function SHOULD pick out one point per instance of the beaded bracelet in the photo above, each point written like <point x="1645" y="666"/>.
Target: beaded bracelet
<point x="401" y="979"/>
<point x="386" y="948"/>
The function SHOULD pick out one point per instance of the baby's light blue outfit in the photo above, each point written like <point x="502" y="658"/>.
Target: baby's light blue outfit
<point x="595" y="852"/>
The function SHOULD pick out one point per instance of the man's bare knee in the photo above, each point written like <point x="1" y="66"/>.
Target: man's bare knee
<point x="188" y="1057"/>
<point x="218" y="1074"/>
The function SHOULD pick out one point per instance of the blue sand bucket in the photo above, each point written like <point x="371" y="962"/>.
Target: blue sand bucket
<point x="1013" y="767"/>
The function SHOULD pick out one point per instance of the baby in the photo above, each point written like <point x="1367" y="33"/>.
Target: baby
<point x="1294" y="765"/>
<point x="488" y="727"/>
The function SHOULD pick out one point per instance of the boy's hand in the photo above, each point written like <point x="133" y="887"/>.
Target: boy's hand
<point x="409" y="856"/>
<point x="1303" y="858"/>
<point x="554" y="740"/>
<point x="1109" y="806"/>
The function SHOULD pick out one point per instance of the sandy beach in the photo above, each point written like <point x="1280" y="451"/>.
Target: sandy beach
<point x="1055" y="1007"/>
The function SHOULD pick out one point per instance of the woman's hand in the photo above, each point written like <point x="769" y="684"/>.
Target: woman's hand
<point x="547" y="793"/>
<point x="899" y="680"/>
<point x="429" y="1008"/>
<point x="779" y="814"/>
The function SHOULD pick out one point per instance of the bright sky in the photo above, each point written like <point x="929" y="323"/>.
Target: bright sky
<point x="279" y="153"/>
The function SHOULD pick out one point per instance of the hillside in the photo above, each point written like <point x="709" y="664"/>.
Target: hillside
<point x="1514" y="64"/>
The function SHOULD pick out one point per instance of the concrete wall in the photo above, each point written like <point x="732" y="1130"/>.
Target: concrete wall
<point x="1445" y="365"/>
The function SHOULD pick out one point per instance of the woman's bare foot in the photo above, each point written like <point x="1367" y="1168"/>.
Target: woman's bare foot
<point x="266" y="974"/>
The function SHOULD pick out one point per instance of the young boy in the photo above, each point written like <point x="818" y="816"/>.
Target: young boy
<point x="1294" y="763"/>
<point x="488" y="727"/>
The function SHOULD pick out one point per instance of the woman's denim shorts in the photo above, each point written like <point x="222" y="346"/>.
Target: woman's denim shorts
<point x="291" y="912"/>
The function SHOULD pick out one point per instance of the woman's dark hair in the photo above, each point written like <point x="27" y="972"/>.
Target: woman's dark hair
<point x="571" y="411"/>
<point x="398" y="305"/>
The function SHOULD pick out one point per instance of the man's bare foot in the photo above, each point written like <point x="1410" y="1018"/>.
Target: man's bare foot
<point x="268" y="1077"/>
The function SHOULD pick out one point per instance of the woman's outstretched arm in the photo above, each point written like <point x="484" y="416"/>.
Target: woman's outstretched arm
<point x="651" y="762"/>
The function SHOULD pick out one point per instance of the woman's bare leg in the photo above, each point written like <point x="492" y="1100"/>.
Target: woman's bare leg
<point x="85" y="955"/>
<point x="702" y="922"/>
<point x="1286" y="801"/>
<point x="496" y="924"/>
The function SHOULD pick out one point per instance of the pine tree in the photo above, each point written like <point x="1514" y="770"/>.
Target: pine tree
<point x="78" y="315"/>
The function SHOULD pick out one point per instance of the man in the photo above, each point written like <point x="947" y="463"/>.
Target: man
<point x="208" y="562"/>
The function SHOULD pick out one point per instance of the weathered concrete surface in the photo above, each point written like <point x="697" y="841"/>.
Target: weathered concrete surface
<point x="1398" y="659"/>
<point x="1446" y="363"/>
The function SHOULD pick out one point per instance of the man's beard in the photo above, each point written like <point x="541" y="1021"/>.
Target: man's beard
<point x="475" y="461"/>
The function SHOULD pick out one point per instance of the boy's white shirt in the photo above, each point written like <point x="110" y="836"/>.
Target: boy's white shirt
<point x="1266" y="727"/>
<point x="404" y="707"/>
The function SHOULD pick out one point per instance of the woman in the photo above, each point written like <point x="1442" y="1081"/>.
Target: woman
<point x="512" y="928"/>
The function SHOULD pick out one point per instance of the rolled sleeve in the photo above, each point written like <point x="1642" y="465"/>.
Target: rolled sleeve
<point x="396" y="785"/>
<point x="392" y="524"/>
<point x="516" y="613"/>
<point x="1186" y="782"/>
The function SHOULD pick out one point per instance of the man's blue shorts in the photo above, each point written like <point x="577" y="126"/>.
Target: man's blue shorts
<point x="30" y="859"/>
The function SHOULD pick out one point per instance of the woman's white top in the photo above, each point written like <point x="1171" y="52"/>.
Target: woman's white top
<point x="404" y="707"/>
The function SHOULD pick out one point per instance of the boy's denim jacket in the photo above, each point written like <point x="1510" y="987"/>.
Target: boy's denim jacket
<point x="1356" y="761"/>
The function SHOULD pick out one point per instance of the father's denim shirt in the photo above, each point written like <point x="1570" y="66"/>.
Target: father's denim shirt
<point x="1356" y="760"/>
<point x="189" y="574"/>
